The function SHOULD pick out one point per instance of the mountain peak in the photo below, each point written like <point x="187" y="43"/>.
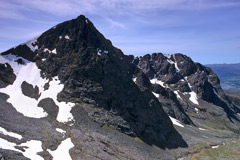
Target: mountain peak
<point x="76" y="35"/>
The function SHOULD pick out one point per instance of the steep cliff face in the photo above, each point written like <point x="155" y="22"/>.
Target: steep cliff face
<point x="182" y="85"/>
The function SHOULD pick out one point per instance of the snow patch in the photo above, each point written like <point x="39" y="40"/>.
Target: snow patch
<point x="66" y="37"/>
<point x="170" y="61"/>
<point x="133" y="60"/>
<point x="7" y="145"/>
<point x="64" y="114"/>
<point x="202" y="129"/>
<point x="99" y="52"/>
<point x="106" y="52"/>
<point x="86" y="21"/>
<point x="156" y="81"/>
<point x="176" y="122"/>
<point x="175" y="63"/>
<point x="23" y="104"/>
<point x="215" y="92"/>
<point x="11" y="134"/>
<point x="215" y="146"/>
<point x="62" y="152"/>
<point x="32" y="42"/>
<point x="60" y="130"/>
<point x="44" y="59"/>
<point x="139" y="62"/>
<point x="168" y="55"/>
<point x="54" y="51"/>
<point x="33" y="147"/>
<point x="155" y="94"/>
<point x="178" y="96"/>
<point x="193" y="97"/>
<point x="60" y="37"/>
<point x="26" y="105"/>
<point x="196" y="109"/>
<point x="186" y="79"/>
<point x="46" y="49"/>
<point x="134" y="79"/>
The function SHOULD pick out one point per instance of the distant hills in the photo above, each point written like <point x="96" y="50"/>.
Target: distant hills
<point x="229" y="74"/>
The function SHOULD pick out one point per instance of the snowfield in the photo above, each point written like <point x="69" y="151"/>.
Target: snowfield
<point x="32" y="148"/>
<point x="11" y="134"/>
<point x="30" y="73"/>
<point x="156" y="81"/>
<point x="155" y="94"/>
<point x="7" y="145"/>
<point x="31" y="44"/>
<point x="62" y="152"/>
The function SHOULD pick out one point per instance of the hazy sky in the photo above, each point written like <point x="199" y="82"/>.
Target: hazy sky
<point x="206" y="30"/>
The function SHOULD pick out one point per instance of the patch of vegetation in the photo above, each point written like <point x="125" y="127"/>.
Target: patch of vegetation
<point x="227" y="151"/>
<point x="138" y="139"/>
<point x="199" y="146"/>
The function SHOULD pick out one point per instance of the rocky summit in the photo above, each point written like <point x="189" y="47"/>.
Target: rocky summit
<point x="70" y="94"/>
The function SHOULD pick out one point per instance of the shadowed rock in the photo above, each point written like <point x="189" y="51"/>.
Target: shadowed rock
<point x="7" y="76"/>
<point x="30" y="91"/>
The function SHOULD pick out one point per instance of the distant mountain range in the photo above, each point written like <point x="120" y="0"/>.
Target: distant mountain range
<point x="229" y="74"/>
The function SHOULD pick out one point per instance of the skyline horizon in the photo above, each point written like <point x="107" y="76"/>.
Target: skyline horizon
<point x="206" y="30"/>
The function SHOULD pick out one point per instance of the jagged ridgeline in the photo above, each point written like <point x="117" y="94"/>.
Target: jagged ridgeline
<point x="184" y="86"/>
<point x="70" y="94"/>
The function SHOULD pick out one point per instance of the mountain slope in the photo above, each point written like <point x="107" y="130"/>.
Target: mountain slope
<point x="69" y="70"/>
<point x="186" y="87"/>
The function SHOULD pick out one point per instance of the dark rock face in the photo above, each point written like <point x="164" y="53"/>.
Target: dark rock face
<point x="156" y="66"/>
<point x="7" y="76"/>
<point x="30" y="91"/>
<point x="180" y="74"/>
<point x="50" y="107"/>
<point x="185" y="64"/>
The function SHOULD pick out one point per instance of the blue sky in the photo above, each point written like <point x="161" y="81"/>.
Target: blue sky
<point x="206" y="30"/>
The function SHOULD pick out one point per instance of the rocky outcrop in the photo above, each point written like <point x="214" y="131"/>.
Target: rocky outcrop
<point x="7" y="76"/>
<point x="30" y="91"/>
<point x="183" y="82"/>
<point x="50" y="107"/>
